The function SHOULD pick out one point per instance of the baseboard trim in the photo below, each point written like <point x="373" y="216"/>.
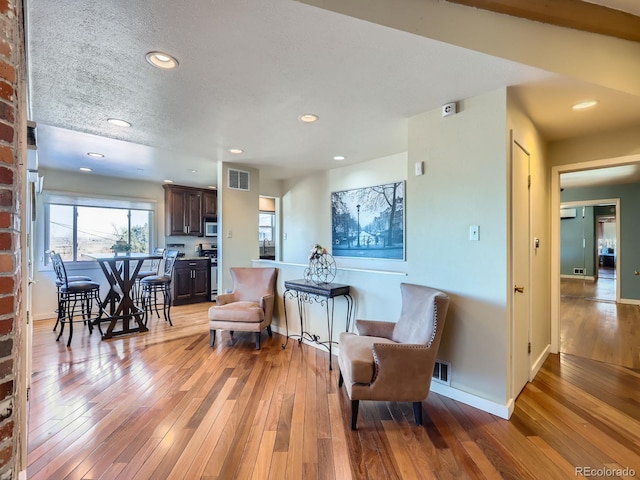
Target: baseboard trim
<point x="282" y="331"/>
<point x="537" y="365"/>
<point x="579" y="277"/>
<point x="630" y="301"/>
<point x="494" y="408"/>
<point x="44" y="316"/>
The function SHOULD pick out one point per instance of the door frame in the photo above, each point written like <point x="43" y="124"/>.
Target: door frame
<point x="555" y="235"/>
<point x="594" y="203"/>
<point x="514" y="143"/>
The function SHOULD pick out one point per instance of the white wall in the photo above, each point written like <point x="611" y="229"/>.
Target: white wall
<point x="237" y="223"/>
<point x="465" y="183"/>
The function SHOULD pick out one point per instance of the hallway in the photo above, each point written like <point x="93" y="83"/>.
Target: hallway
<point x="593" y="326"/>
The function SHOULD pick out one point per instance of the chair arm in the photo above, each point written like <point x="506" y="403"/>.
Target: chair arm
<point x="224" y="298"/>
<point x="372" y="328"/>
<point x="266" y="302"/>
<point x="403" y="371"/>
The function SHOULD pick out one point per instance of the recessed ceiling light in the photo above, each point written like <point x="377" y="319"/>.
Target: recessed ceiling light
<point x="95" y="154"/>
<point x="118" y="122"/>
<point x="85" y="169"/>
<point x="308" y="118"/>
<point x="585" y="104"/>
<point x="339" y="157"/>
<point x="193" y="171"/>
<point x="168" y="181"/>
<point x="161" y="60"/>
<point x="236" y="151"/>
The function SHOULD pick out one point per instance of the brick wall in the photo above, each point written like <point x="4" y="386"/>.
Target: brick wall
<point x="12" y="138"/>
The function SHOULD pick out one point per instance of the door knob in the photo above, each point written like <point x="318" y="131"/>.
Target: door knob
<point x="636" y="272"/>
<point x="518" y="289"/>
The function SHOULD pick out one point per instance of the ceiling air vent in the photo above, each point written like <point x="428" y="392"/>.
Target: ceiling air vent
<point x="31" y="135"/>
<point x="238" y="180"/>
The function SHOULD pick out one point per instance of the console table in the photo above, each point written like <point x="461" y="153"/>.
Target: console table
<point x="308" y="292"/>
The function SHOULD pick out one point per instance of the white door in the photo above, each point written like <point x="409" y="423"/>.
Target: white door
<point x="521" y="266"/>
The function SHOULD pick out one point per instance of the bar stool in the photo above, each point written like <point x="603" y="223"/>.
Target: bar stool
<point x="70" y="279"/>
<point x="155" y="267"/>
<point x="70" y="293"/>
<point x="154" y="285"/>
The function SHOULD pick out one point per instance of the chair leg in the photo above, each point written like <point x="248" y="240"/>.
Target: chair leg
<point x="257" y="340"/>
<point x="269" y="332"/>
<point x="212" y="337"/>
<point x="340" y="380"/>
<point x="166" y="308"/>
<point x="61" y="318"/>
<point x="354" y="413"/>
<point x="417" y="412"/>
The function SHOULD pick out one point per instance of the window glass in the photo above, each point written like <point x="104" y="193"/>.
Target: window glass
<point x="95" y="229"/>
<point x="61" y="231"/>
<point x="265" y="227"/>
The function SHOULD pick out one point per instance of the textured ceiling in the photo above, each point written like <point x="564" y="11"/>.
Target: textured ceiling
<point x="248" y="69"/>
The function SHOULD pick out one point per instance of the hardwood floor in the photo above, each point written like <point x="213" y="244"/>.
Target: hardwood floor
<point x="165" y="405"/>
<point x="593" y="326"/>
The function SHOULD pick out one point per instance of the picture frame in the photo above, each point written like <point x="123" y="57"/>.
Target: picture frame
<point x="369" y="222"/>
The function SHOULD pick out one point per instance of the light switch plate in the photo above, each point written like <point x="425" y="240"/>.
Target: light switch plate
<point x="474" y="233"/>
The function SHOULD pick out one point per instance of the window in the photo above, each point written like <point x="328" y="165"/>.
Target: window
<point x="74" y="226"/>
<point x="266" y="226"/>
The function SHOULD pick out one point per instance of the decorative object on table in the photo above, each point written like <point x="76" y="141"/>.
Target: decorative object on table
<point x="369" y="222"/>
<point x="322" y="266"/>
<point x="121" y="247"/>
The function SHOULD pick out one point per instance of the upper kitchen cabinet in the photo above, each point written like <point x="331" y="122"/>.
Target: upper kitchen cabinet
<point x="210" y="203"/>
<point x="183" y="210"/>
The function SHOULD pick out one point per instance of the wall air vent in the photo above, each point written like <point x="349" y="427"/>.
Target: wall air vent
<point x="238" y="180"/>
<point x="31" y="135"/>
<point x="442" y="372"/>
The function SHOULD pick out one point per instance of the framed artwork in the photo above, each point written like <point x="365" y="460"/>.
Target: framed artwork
<point x="368" y="222"/>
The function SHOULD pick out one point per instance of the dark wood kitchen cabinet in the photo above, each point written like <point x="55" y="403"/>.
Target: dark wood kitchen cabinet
<point x="186" y="207"/>
<point x="183" y="210"/>
<point x="210" y="203"/>
<point x="191" y="281"/>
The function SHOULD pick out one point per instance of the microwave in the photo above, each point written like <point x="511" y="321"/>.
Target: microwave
<point x="210" y="229"/>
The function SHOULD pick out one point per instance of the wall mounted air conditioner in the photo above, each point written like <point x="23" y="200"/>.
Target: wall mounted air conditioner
<point x="567" y="213"/>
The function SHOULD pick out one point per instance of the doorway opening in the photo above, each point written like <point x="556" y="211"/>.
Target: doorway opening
<point x="589" y="250"/>
<point x="267" y="228"/>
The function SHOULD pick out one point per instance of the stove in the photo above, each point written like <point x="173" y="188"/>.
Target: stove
<point x="210" y="250"/>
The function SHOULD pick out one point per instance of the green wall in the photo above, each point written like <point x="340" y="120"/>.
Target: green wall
<point x="628" y="255"/>
<point x="572" y="232"/>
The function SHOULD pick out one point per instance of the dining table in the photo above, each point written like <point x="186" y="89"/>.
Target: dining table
<point x="119" y="306"/>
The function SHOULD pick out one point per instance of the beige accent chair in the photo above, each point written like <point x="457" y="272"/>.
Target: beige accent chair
<point x="390" y="361"/>
<point x="249" y="307"/>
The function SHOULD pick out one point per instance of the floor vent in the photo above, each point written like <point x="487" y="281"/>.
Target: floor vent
<point x="578" y="271"/>
<point x="238" y="180"/>
<point x="442" y="372"/>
